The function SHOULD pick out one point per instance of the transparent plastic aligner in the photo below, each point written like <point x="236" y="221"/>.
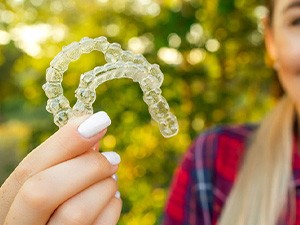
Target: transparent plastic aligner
<point x="53" y="75"/>
<point x="54" y="105"/>
<point x="113" y="53"/>
<point x="120" y="64"/>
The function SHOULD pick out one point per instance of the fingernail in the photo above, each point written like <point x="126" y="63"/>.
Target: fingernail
<point x="112" y="157"/>
<point x="118" y="195"/>
<point x="94" y="124"/>
<point x="115" y="177"/>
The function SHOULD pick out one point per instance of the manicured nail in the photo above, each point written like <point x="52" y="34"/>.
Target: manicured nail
<point x="118" y="195"/>
<point x="112" y="157"/>
<point x="94" y="124"/>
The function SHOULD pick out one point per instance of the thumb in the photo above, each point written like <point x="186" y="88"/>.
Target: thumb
<point x="75" y="138"/>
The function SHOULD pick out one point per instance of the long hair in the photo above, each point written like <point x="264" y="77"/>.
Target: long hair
<point x="263" y="193"/>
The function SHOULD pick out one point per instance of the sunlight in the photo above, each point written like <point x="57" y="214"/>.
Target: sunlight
<point x="29" y="38"/>
<point x="170" y="56"/>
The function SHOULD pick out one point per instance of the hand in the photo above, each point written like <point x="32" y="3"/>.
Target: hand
<point x="64" y="181"/>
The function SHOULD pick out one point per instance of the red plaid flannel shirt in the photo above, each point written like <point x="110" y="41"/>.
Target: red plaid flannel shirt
<point x="205" y="177"/>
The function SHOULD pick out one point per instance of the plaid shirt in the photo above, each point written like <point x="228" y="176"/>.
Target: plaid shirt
<point x="207" y="173"/>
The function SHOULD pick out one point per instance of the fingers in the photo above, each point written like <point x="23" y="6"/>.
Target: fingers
<point x="111" y="213"/>
<point x="85" y="207"/>
<point x="72" y="140"/>
<point x="43" y="193"/>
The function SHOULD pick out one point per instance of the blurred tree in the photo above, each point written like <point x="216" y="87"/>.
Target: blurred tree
<point x="211" y="53"/>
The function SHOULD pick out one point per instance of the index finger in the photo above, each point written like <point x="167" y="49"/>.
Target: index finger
<point x="75" y="138"/>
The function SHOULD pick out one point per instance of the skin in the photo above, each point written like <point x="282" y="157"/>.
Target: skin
<point x="38" y="192"/>
<point x="282" y="43"/>
<point x="60" y="182"/>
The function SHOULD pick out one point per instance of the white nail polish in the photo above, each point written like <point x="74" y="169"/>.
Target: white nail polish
<point x="94" y="124"/>
<point x="118" y="195"/>
<point x="112" y="157"/>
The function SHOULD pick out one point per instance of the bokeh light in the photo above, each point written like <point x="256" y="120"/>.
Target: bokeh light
<point x="207" y="50"/>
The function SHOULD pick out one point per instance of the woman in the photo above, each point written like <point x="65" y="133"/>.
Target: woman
<point x="62" y="180"/>
<point x="246" y="174"/>
<point x="231" y="175"/>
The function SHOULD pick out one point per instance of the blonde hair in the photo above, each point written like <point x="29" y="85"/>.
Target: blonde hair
<point x="262" y="188"/>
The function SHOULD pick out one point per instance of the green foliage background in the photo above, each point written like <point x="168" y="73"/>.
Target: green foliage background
<point x="211" y="53"/>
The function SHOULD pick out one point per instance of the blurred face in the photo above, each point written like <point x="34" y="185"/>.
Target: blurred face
<point x="283" y="45"/>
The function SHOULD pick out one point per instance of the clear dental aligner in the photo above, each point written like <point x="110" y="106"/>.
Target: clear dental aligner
<point x="120" y="64"/>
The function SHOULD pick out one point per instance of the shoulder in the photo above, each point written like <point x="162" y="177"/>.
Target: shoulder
<point x="221" y="148"/>
<point x="230" y="132"/>
<point x="217" y="150"/>
<point x="217" y="156"/>
<point x="192" y="194"/>
<point x="227" y="136"/>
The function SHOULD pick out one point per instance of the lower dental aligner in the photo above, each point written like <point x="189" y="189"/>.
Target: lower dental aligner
<point x="120" y="64"/>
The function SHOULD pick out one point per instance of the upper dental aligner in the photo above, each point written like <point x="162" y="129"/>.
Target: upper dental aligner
<point x="120" y="64"/>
